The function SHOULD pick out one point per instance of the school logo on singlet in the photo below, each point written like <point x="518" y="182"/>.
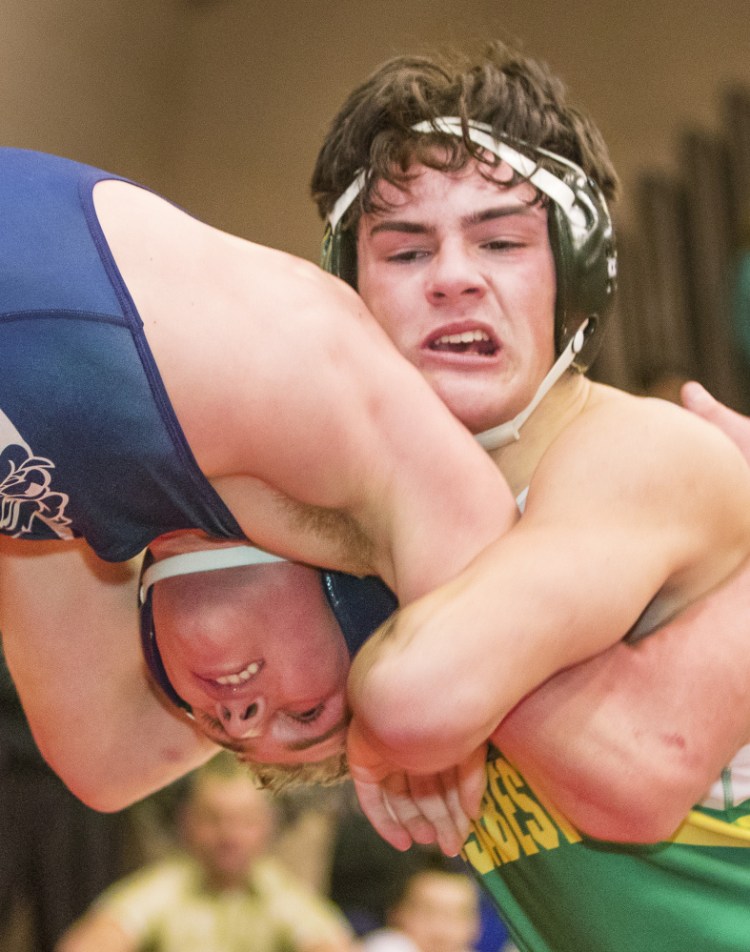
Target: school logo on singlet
<point x="28" y="500"/>
<point x="514" y="823"/>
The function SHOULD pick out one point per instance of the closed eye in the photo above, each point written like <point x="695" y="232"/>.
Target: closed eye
<point x="404" y="257"/>
<point x="502" y="245"/>
<point x="306" y="717"/>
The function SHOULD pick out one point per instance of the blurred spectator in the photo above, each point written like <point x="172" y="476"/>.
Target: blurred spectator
<point x="368" y="877"/>
<point x="56" y="855"/>
<point x="437" y="912"/>
<point x="308" y="822"/>
<point x="222" y="894"/>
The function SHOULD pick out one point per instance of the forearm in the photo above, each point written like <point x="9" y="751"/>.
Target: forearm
<point x="436" y="680"/>
<point x="627" y="742"/>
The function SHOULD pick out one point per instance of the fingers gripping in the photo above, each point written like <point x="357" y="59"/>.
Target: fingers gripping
<point x="436" y="808"/>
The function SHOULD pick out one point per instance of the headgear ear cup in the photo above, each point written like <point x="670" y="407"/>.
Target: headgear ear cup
<point x="583" y="247"/>
<point x="360" y="605"/>
<point x="339" y="254"/>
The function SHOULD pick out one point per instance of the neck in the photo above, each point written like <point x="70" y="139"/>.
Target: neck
<point x="565" y="401"/>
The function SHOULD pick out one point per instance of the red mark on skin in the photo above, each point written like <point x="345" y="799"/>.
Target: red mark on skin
<point x="674" y="740"/>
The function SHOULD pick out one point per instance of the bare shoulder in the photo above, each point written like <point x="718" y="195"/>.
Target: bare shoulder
<point x="658" y="499"/>
<point x="158" y="245"/>
<point x="651" y="477"/>
<point x="621" y="443"/>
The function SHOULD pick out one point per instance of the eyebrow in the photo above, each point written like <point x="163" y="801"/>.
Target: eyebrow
<point x="501" y="211"/>
<point x="404" y="226"/>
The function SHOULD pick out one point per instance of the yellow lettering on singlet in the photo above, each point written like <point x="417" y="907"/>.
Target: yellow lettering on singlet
<point x="513" y="822"/>
<point x="501" y="776"/>
<point x="504" y="844"/>
<point x="538" y="823"/>
<point x="479" y="850"/>
<point x="570" y="832"/>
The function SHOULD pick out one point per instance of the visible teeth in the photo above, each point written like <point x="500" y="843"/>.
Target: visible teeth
<point x="241" y="676"/>
<point x="466" y="337"/>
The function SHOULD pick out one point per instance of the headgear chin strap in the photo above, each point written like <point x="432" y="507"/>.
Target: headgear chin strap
<point x="510" y="432"/>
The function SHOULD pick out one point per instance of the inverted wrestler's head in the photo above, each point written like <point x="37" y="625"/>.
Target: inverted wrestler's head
<point x="250" y="648"/>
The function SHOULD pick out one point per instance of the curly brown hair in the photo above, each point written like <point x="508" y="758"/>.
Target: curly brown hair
<point x="517" y="96"/>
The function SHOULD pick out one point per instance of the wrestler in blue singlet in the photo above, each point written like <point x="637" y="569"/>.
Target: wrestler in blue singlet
<point x="89" y="443"/>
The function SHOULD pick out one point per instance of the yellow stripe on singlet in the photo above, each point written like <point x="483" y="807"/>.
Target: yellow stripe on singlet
<point x="699" y="829"/>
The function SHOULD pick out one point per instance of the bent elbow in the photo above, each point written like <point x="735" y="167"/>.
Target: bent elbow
<point x="94" y="791"/>
<point x="101" y="799"/>
<point x="414" y="725"/>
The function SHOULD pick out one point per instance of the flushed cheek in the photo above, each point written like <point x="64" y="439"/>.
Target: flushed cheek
<point x="395" y="312"/>
<point x="405" y="330"/>
<point x="385" y="312"/>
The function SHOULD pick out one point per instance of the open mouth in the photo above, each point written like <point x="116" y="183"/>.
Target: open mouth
<point x="473" y="342"/>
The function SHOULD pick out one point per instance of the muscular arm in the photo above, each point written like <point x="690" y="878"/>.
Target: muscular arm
<point x="70" y="636"/>
<point x="625" y="743"/>
<point x="327" y="445"/>
<point x="510" y="626"/>
<point x="364" y="434"/>
<point x="628" y="741"/>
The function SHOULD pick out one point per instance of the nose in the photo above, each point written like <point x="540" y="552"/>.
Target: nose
<point x="454" y="276"/>
<point x="242" y="718"/>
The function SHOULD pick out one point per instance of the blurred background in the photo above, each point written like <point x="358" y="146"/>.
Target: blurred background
<point x="221" y="105"/>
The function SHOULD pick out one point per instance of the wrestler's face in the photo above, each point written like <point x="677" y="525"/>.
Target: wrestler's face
<point x="439" y="913"/>
<point x="226" y="824"/>
<point x="460" y="274"/>
<point x="257" y="654"/>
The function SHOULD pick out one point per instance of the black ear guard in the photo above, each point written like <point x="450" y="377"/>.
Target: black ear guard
<point x="583" y="247"/>
<point x="339" y="254"/>
<point x="360" y="605"/>
<point x="580" y="230"/>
